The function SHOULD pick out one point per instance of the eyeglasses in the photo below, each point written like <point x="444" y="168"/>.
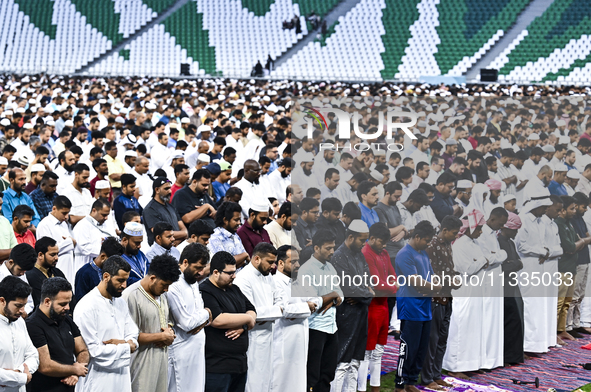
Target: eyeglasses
<point x="229" y="272"/>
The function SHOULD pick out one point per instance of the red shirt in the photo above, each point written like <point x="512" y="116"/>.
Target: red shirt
<point x="250" y="237"/>
<point x="27" y="238"/>
<point x="585" y="135"/>
<point x="173" y="190"/>
<point x="381" y="266"/>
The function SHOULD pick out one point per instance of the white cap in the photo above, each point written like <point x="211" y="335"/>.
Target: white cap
<point x="185" y="120"/>
<point x="563" y="140"/>
<point x="5" y="122"/>
<point x="150" y="106"/>
<point x="179" y="154"/>
<point x="28" y="126"/>
<point x="23" y="160"/>
<point x="120" y="120"/>
<point x="358" y="226"/>
<point x="134" y="229"/>
<point x="508" y="197"/>
<point x="69" y="123"/>
<point x="260" y="205"/>
<point x="102" y="184"/>
<point x="561" y="123"/>
<point x="3" y="161"/>
<point x="533" y="136"/>
<point x="574" y="174"/>
<point x="38" y="167"/>
<point x="301" y="157"/>
<point x="464" y="184"/>
<point x="561" y="167"/>
<point x="131" y="153"/>
<point x="376" y="175"/>
<point x="203" y="158"/>
<point x="20" y="110"/>
<point x="203" y="128"/>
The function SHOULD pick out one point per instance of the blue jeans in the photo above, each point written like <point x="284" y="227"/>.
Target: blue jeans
<point x="225" y="382"/>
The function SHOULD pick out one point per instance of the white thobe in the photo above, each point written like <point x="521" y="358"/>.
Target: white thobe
<point x="16" y="349"/>
<point x="531" y="169"/>
<point x="464" y="343"/>
<point x="278" y="185"/>
<point x="530" y="243"/>
<point x="81" y="201"/>
<point x="268" y="301"/>
<point x="88" y="235"/>
<point x="144" y="183"/>
<point x="492" y="300"/>
<point x="298" y="177"/>
<point x="534" y="188"/>
<point x="64" y="179"/>
<point x="4" y="272"/>
<point x="251" y="193"/>
<point x="99" y="320"/>
<point x="426" y="214"/>
<point x="60" y="232"/>
<point x="186" y="355"/>
<point x="552" y="241"/>
<point x="158" y="157"/>
<point x="290" y="340"/>
<point x="278" y="235"/>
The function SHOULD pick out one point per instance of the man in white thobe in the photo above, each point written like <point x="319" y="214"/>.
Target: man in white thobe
<point x="250" y="186"/>
<point x="108" y="331"/>
<point x="533" y="251"/>
<point x="538" y="185"/>
<point x="290" y="335"/>
<point x="186" y="355"/>
<point x="258" y="286"/>
<point x="492" y="297"/>
<point x="18" y="356"/>
<point x="55" y="225"/>
<point x="280" y="179"/>
<point x="89" y="233"/>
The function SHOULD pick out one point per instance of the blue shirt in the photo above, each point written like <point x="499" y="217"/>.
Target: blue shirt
<point x="222" y="239"/>
<point x="139" y="267"/>
<point x="557" y="189"/>
<point x="368" y="216"/>
<point x="12" y="199"/>
<point x="43" y="202"/>
<point x="87" y="278"/>
<point x="220" y="189"/>
<point x="411" y="305"/>
<point x="122" y="204"/>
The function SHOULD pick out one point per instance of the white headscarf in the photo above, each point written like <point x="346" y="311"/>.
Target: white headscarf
<point x="480" y="193"/>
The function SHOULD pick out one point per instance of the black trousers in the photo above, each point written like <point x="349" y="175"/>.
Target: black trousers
<point x="414" y="341"/>
<point x="431" y="370"/>
<point x="322" y="360"/>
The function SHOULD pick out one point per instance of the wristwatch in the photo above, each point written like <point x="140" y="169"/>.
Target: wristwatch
<point x="245" y="327"/>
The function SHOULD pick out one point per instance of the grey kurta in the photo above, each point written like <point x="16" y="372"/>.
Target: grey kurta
<point x="149" y="364"/>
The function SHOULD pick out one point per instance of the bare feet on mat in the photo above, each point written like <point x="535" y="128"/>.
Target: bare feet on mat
<point x="434" y="386"/>
<point x="458" y="375"/>
<point x="565" y="336"/>
<point x="443" y="383"/>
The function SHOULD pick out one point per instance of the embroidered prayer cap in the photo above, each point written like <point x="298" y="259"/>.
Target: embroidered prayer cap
<point x="102" y="184"/>
<point x="134" y="229"/>
<point x="561" y="167"/>
<point x="358" y="226"/>
<point x="464" y="184"/>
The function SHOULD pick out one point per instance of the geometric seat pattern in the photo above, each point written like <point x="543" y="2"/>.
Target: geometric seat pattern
<point x="556" y="46"/>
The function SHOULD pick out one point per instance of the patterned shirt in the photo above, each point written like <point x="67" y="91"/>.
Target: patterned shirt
<point x="222" y="239"/>
<point x="43" y="202"/>
<point x="442" y="261"/>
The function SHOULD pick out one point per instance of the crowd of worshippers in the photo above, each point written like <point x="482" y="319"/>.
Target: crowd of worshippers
<point x="147" y="240"/>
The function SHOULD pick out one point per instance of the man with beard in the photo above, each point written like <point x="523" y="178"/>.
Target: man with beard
<point x="443" y="204"/>
<point x="258" y="285"/>
<point x="90" y="232"/>
<point x="15" y="196"/>
<point x="302" y="174"/>
<point x="232" y="316"/>
<point x="193" y="202"/>
<point x="505" y="171"/>
<point x="36" y="170"/>
<point x="111" y="340"/>
<point x="537" y="185"/>
<point x="186" y="367"/>
<point x="305" y="227"/>
<point x="90" y="275"/>
<point x="330" y="221"/>
<point x="252" y="232"/>
<point x="368" y="196"/>
<point x="556" y="186"/>
<point x="463" y="193"/>
<point x="21" y="223"/>
<point x="45" y="267"/>
<point x="19" y="358"/>
<point x="149" y="310"/>
<point x="224" y="237"/>
<point x="290" y="334"/>
<point x="163" y="242"/>
<point x="159" y="209"/>
<point x="279" y="230"/>
<point x="321" y="165"/>
<point x="45" y="194"/>
<point x="65" y="169"/>
<point x="63" y="355"/>
<point x="143" y="189"/>
<point x="532" y="166"/>
<point x="102" y="173"/>
<point x="126" y="201"/>
<point x="131" y="239"/>
<point x="79" y="194"/>
<point x="251" y="189"/>
<point x="494" y="199"/>
<point x="351" y="317"/>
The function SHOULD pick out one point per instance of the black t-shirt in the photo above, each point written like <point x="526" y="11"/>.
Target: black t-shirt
<point x="156" y="212"/>
<point x="223" y="355"/>
<point x="185" y="201"/>
<point x="59" y="339"/>
<point x="36" y="278"/>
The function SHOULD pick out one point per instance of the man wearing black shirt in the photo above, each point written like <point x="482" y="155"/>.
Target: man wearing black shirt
<point x="227" y="338"/>
<point x="47" y="254"/>
<point x="159" y="209"/>
<point x="58" y="340"/>
<point x="192" y="202"/>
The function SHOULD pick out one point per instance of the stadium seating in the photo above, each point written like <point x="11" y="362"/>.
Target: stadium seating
<point x="554" y="47"/>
